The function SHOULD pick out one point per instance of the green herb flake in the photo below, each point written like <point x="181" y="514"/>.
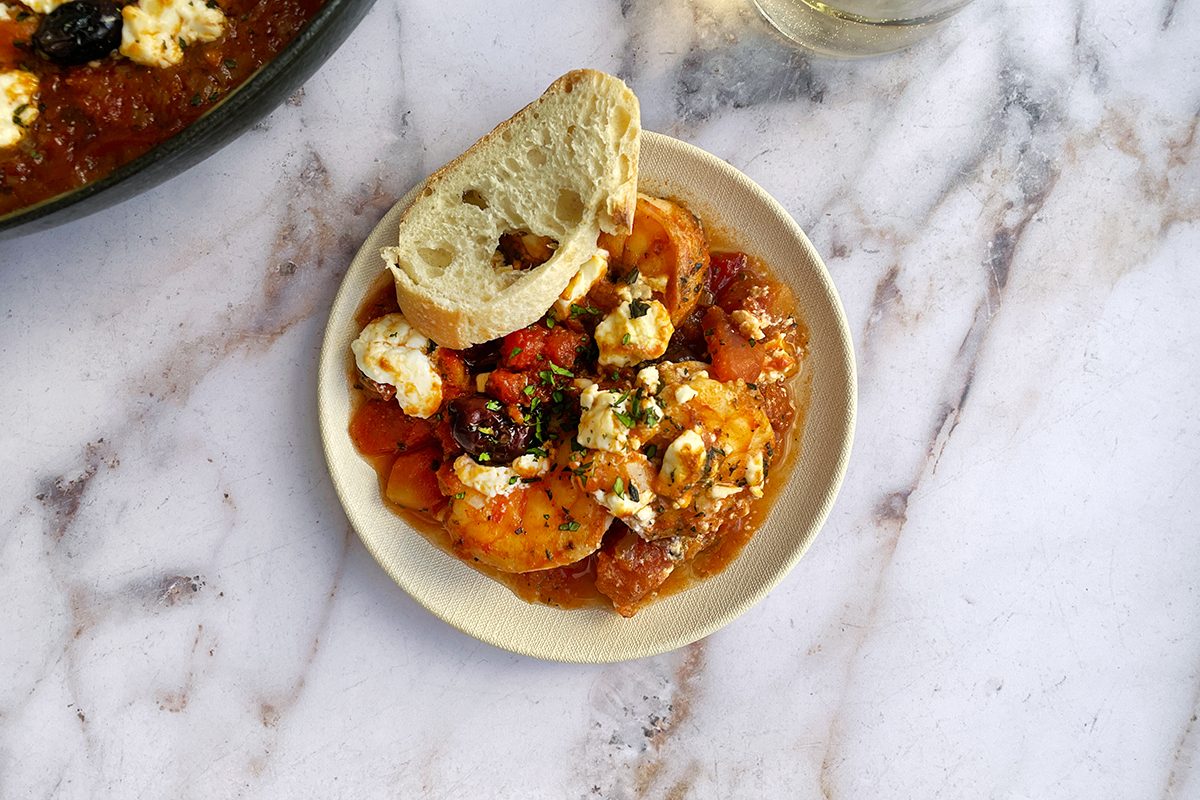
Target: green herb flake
<point x="460" y="495"/>
<point x="625" y="419"/>
<point x="483" y="457"/>
<point x="638" y="308"/>
<point x="516" y="351"/>
<point x="652" y="451"/>
<point x="557" y="370"/>
<point x="494" y="405"/>
<point x="625" y="339"/>
<point x="196" y="100"/>
<point x="633" y="494"/>
<point x="633" y="276"/>
<point x="619" y="487"/>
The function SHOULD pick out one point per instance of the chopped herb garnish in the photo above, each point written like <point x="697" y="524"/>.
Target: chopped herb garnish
<point x="529" y="390"/>
<point x="494" y="405"/>
<point x="484" y="457"/>
<point x="513" y="479"/>
<point x="633" y="494"/>
<point x="633" y="276"/>
<point x="549" y="321"/>
<point x="638" y="308"/>
<point x="566" y="526"/>
<point x="625" y="339"/>
<point x="578" y="311"/>
<point x="17" y="115"/>
<point x="516" y="351"/>
<point x="230" y="63"/>
<point x="619" y="487"/>
<point x="625" y="419"/>
<point x="652" y="451"/>
<point x="460" y="495"/>
<point x="196" y="100"/>
<point x="557" y="370"/>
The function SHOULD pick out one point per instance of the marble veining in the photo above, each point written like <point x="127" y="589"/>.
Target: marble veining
<point x="1004" y="602"/>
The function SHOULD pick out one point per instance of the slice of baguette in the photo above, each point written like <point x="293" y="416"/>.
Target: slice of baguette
<point x="565" y="166"/>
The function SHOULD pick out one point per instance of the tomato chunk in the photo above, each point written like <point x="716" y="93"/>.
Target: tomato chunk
<point x="413" y="483"/>
<point x="532" y="347"/>
<point x="629" y="569"/>
<point x="733" y="355"/>
<point x="380" y="427"/>
<point x="453" y="369"/>
<point x="723" y="268"/>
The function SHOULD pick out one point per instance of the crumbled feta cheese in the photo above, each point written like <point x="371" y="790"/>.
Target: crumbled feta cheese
<point x="684" y="392"/>
<point x="6" y="13"/>
<point x="720" y="491"/>
<point x="531" y="466"/>
<point x="588" y="276"/>
<point x="42" y="6"/>
<point x="626" y="504"/>
<point x="18" y="106"/>
<point x="639" y="329"/>
<point x="389" y="350"/>
<point x="755" y="474"/>
<point x="749" y="325"/>
<point x="683" y="462"/>
<point x="650" y="379"/>
<point x="599" y="426"/>
<point x="156" y="31"/>
<point x="488" y="481"/>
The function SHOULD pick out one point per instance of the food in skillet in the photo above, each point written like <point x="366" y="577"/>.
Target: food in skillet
<point x="605" y="435"/>
<point x="89" y="85"/>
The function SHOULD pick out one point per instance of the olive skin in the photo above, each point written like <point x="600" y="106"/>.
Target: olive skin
<point x="479" y="429"/>
<point x="78" y="32"/>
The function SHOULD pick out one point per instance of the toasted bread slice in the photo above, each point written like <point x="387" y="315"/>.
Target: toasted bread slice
<point x="563" y="168"/>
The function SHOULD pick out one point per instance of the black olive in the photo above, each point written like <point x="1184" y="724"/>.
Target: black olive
<point x="78" y="32"/>
<point x="480" y="426"/>
<point x="482" y="357"/>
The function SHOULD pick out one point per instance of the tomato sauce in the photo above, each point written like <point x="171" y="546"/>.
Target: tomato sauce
<point x="575" y="585"/>
<point x="97" y="116"/>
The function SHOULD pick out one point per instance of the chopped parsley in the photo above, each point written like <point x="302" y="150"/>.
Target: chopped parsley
<point x="638" y="308"/>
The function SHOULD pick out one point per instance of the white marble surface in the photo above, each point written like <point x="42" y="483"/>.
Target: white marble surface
<point x="1005" y="602"/>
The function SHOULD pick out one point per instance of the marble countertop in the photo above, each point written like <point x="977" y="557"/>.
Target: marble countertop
<point x="1004" y="603"/>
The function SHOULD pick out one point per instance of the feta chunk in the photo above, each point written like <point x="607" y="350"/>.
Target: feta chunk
<point x="156" y="31"/>
<point x="40" y="6"/>
<point x="649" y="378"/>
<point x="488" y="481"/>
<point x="639" y="329"/>
<point x="684" y="461"/>
<point x="18" y="105"/>
<point x="588" y="276"/>
<point x="683" y="393"/>
<point x="755" y="474"/>
<point x="720" y="491"/>
<point x="389" y="350"/>
<point x="531" y="466"/>
<point x="599" y="426"/>
<point x="748" y="325"/>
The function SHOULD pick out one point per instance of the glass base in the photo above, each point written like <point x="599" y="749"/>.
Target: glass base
<point x="822" y="29"/>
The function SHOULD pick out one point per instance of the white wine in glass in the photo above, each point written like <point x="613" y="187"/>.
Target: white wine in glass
<point x="857" y="28"/>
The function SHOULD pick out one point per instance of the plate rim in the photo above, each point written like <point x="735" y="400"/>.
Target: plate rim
<point x="327" y="358"/>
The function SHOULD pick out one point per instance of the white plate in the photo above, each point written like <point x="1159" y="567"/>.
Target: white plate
<point x="750" y="220"/>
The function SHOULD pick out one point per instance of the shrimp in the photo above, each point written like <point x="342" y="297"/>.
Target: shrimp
<point x="668" y="248"/>
<point x="523" y="526"/>
<point x="714" y="446"/>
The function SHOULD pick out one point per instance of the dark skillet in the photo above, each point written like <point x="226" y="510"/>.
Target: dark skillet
<point x="261" y="93"/>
